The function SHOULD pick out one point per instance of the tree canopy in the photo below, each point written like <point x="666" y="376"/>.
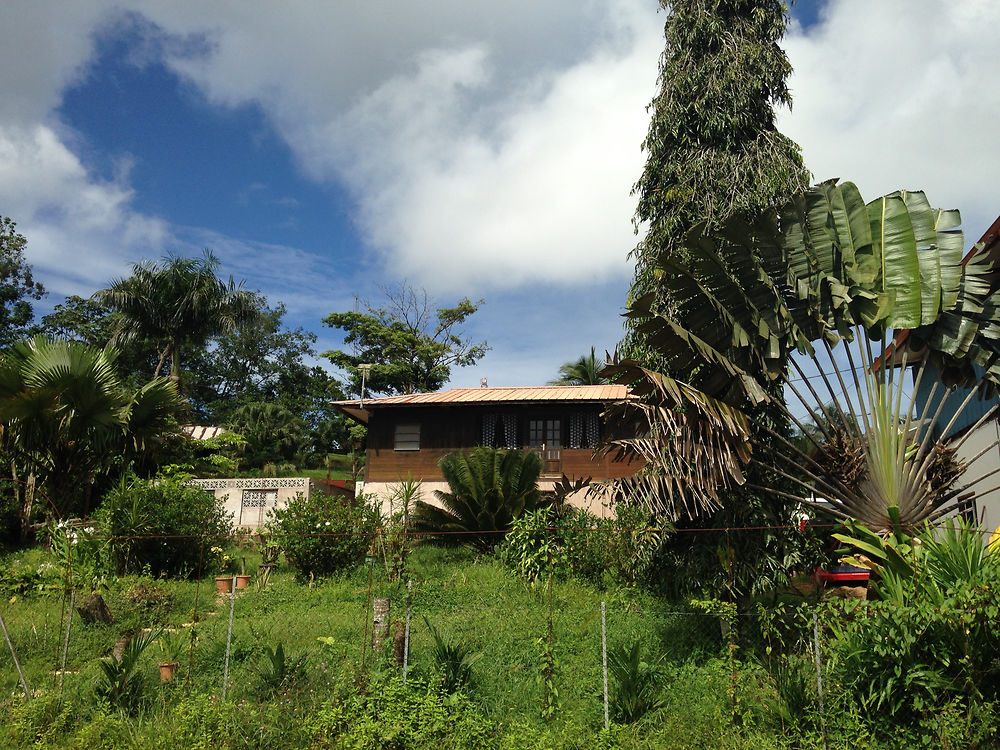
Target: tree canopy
<point x="410" y="344"/>
<point x="176" y="304"/>
<point x="66" y="418"/>
<point x="17" y="285"/>
<point x="583" y="371"/>
<point x="712" y="148"/>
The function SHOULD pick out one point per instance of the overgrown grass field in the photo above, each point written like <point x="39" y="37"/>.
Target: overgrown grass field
<point x="324" y="630"/>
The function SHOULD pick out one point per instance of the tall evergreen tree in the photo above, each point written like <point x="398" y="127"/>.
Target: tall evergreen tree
<point x="713" y="149"/>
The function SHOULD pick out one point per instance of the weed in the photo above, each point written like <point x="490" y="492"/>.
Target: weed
<point x="454" y="661"/>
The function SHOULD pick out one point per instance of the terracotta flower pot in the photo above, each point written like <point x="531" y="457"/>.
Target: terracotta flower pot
<point x="168" y="670"/>
<point x="224" y="584"/>
<point x="242" y="581"/>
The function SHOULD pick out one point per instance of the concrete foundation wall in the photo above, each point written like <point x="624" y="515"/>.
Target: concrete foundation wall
<point x="383" y="493"/>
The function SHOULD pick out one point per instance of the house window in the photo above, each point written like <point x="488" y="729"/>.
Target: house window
<point x="407" y="437"/>
<point x="584" y="430"/>
<point x="545" y="436"/>
<point x="254" y="505"/>
<point x="500" y="431"/>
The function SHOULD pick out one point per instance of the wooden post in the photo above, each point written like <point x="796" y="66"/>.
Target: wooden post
<point x="380" y="622"/>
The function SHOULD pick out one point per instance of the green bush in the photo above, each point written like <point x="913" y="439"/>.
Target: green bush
<point x="320" y="535"/>
<point x="930" y="644"/>
<point x="572" y="541"/>
<point x="163" y="525"/>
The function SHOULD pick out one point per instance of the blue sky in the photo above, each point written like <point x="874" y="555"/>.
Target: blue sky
<point x="325" y="149"/>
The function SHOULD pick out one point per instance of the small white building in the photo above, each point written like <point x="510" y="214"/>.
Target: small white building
<point x="250" y="499"/>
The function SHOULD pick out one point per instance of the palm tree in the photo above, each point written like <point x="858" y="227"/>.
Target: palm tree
<point x="819" y="285"/>
<point x="66" y="418"/>
<point x="272" y="432"/>
<point x="584" y="371"/>
<point x="177" y="304"/>
<point x="489" y="489"/>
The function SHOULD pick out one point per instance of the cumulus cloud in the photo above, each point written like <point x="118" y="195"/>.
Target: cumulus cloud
<point x="902" y="95"/>
<point x="485" y="150"/>
<point x="80" y="229"/>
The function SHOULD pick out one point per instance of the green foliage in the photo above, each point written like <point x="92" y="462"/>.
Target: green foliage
<point x="79" y="554"/>
<point x="172" y="644"/>
<point x="17" y="285"/>
<point x="321" y="535"/>
<point x="163" y="525"/>
<point x="272" y="433"/>
<point x="394" y="715"/>
<point x="121" y="685"/>
<point x="636" y="683"/>
<point x="712" y="146"/>
<point x="453" y="661"/>
<point x="67" y="417"/>
<point x="489" y="488"/>
<point x="584" y="371"/>
<point x="410" y="345"/>
<point x="275" y="668"/>
<point x="930" y="643"/>
<point x="793" y="704"/>
<point x="547" y="675"/>
<point x="177" y="304"/>
<point x="605" y="551"/>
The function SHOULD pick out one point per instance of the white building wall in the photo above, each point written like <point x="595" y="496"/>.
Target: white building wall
<point x="983" y="440"/>
<point x="249" y="500"/>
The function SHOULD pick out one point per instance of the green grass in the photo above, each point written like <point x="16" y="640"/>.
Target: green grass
<point x="321" y="473"/>
<point x="346" y="691"/>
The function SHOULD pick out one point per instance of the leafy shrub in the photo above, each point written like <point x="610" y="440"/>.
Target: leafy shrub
<point x="162" y="524"/>
<point x="394" y="715"/>
<point x="320" y="535"/>
<point x="636" y="683"/>
<point x="932" y="639"/>
<point x="275" y="668"/>
<point x="121" y="685"/>
<point x="573" y="541"/>
<point x="24" y="575"/>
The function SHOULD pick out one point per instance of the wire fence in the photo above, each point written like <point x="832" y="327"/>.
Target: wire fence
<point x="383" y="624"/>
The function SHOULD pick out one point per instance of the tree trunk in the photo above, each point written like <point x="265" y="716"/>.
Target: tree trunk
<point x="380" y="619"/>
<point x="399" y="641"/>
<point x="29" y="501"/>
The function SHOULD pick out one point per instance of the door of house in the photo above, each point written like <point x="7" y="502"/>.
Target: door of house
<point x="545" y="437"/>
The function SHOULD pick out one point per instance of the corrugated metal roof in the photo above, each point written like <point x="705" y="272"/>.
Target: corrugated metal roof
<point x="199" y="432"/>
<point x="602" y="393"/>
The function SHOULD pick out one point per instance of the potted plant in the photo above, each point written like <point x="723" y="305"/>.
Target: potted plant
<point x="242" y="578"/>
<point x="227" y="565"/>
<point x="171" y="645"/>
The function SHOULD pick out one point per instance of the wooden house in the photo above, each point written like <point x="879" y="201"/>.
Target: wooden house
<point x="409" y="434"/>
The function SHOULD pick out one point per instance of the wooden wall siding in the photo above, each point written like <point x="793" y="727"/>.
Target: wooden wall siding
<point x="392" y="466"/>
<point x="446" y="430"/>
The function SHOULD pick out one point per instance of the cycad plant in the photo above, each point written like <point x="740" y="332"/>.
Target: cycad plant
<point x="636" y="683"/>
<point x="489" y="488"/>
<point x="808" y="297"/>
<point x="120" y="684"/>
<point x="454" y="661"/>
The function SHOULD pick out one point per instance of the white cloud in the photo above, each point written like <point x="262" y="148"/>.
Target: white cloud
<point x="485" y="149"/>
<point x="902" y="94"/>
<point x="80" y="230"/>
